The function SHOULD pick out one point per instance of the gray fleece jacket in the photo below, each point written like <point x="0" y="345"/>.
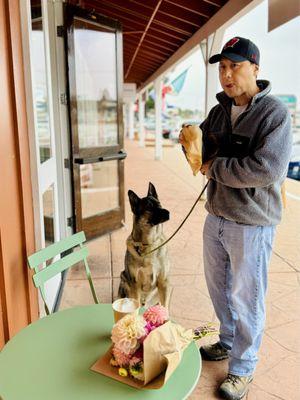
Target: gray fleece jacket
<point x="251" y="165"/>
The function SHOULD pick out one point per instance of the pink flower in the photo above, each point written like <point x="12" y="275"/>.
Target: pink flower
<point x="139" y="353"/>
<point x="149" y="327"/>
<point x="156" y="315"/>
<point x="121" y="358"/>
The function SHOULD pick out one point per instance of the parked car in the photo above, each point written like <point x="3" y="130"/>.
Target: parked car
<point x="166" y="133"/>
<point x="294" y="170"/>
<point x="150" y="127"/>
<point x="294" y="164"/>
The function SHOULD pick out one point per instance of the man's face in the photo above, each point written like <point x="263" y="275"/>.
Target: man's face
<point x="237" y="78"/>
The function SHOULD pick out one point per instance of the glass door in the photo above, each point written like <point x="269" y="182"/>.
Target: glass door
<point x="95" y="72"/>
<point x="47" y="212"/>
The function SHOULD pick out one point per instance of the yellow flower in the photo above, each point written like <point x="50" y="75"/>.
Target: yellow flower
<point x="123" y="372"/>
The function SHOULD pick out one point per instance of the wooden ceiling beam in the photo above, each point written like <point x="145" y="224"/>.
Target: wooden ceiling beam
<point x="194" y="7"/>
<point x="151" y="56"/>
<point x="132" y="33"/>
<point x="216" y="3"/>
<point x="138" y="12"/>
<point x="152" y="47"/>
<point x="173" y="36"/>
<point x="156" y="43"/>
<point x="175" y="12"/>
<point x="162" y="40"/>
<point x="173" y="26"/>
<point x="117" y="12"/>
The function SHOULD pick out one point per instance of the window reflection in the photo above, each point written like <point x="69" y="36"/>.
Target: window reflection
<point x="99" y="187"/>
<point x="40" y="81"/>
<point x="48" y="207"/>
<point x="96" y="85"/>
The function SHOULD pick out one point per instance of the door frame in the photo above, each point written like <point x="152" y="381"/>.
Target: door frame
<point x="51" y="171"/>
<point x="112" y="219"/>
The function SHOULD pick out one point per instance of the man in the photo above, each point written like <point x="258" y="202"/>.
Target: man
<point x="252" y="130"/>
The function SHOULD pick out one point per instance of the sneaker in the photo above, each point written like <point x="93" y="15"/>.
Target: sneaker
<point x="214" y="352"/>
<point x="235" y="387"/>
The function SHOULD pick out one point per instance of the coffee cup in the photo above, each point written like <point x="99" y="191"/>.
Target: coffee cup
<point x="122" y="307"/>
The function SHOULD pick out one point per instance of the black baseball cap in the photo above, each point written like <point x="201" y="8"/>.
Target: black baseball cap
<point x="238" y="49"/>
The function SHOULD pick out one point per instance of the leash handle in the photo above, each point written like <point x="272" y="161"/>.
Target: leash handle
<point x="189" y="213"/>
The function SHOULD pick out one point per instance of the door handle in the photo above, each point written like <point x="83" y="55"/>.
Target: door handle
<point x="88" y="160"/>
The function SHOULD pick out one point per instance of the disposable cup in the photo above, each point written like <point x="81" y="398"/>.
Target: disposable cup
<point x="122" y="307"/>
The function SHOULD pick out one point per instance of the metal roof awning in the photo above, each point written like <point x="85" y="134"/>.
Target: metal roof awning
<point x="153" y="30"/>
<point x="157" y="33"/>
<point x="280" y="12"/>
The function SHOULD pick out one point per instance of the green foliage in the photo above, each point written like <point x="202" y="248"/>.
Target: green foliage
<point x="149" y="104"/>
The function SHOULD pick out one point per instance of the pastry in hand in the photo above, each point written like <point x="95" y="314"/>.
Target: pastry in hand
<point x="192" y="146"/>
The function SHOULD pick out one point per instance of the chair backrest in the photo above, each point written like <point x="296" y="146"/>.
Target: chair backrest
<point x="66" y="261"/>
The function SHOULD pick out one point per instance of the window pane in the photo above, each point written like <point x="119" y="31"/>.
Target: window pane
<point x="96" y="85"/>
<point x="48" y="207"/>
<point x="99" y="187"/>
<point x="40" y="81"/>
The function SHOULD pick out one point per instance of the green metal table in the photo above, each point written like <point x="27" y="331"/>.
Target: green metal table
<point x="50" y="359"/>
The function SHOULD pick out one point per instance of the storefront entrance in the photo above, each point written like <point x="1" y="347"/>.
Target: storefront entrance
<point x="74" y="78"/>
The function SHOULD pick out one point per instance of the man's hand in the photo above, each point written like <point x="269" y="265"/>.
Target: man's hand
<point x="205" y="167"/>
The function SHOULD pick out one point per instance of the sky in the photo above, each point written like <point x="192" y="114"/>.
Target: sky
<point x="280" y="58"/>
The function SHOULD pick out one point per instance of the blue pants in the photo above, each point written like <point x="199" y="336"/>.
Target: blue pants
<point x="236" y="258"/>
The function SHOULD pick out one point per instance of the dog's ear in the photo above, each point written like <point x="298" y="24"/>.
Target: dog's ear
<point x="134" y="201"/>
<point x="152" y="191"/>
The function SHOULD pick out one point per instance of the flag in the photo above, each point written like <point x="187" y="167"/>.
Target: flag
<point x="177" y="83"/>
<point x="172" y="88"/>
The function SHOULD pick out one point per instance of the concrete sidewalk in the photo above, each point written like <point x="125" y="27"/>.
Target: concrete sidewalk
<point x="278" y="372"/>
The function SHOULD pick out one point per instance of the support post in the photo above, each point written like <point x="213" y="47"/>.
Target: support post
<point x="158" y="124"/>
<point x="141" y="121"/>
<point x="131" y="120"/>
<point x="211" y="45"/>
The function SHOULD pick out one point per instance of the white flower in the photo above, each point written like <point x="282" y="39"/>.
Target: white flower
<point x="127" y="331"/>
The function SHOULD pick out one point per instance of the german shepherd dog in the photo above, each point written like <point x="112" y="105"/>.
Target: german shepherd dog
<point x="145" y="276"/>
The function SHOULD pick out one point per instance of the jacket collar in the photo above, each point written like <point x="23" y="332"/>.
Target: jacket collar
<point x="226" y="102"/>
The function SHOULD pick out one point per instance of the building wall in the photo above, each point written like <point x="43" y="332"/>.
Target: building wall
<point x="18" y="297"/>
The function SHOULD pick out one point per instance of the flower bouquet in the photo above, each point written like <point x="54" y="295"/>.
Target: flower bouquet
<point x="146" y="347"/>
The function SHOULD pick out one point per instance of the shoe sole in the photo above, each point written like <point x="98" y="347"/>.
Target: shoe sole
<point x="207" y="357"/>
<point x="228" y="396"/>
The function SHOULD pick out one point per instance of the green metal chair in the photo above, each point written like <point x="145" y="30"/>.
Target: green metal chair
<point x="66" y="261"/>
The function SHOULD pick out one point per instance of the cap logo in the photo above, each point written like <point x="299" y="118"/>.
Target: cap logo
<point x="231" y="43"/>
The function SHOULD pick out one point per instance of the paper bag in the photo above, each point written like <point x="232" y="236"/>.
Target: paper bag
<point x="163" y="350"/>
<point x="192" y="144"/>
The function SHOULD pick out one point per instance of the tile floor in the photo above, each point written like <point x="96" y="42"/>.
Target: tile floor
<point x="278" y="371"/>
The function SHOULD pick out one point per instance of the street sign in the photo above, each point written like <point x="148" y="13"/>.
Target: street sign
<point x="129" y="92"/>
